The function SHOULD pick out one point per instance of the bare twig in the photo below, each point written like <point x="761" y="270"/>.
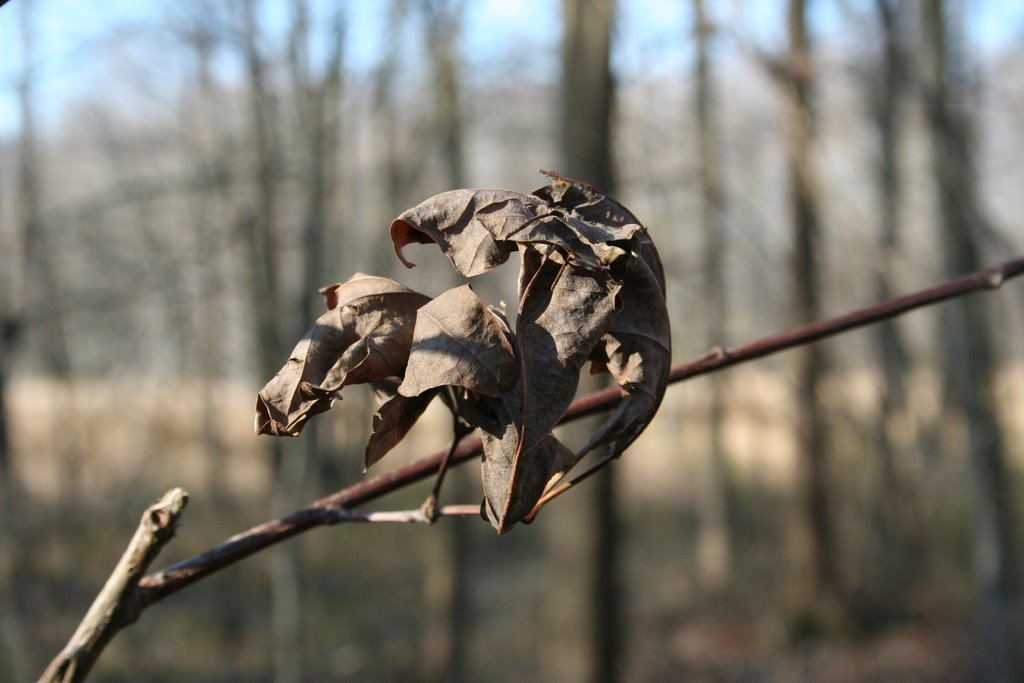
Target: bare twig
<point x="118" y="604"/>
<point x="121" y="601"/>
<point x="424" y="515"/>
<point x="323" y="511"/>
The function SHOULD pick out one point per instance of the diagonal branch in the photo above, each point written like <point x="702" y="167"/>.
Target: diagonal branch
<point x="335" y="508"/>
<point x="323" y="511"/>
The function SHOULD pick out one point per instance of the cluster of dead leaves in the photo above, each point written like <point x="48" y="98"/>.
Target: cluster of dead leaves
<point x="591" y="287"/>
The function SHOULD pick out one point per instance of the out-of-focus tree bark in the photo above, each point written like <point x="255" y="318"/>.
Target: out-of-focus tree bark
<point x="448" y="568"/>
<point x="714" y="543"/>
<point x="319" y="107"/>
<point x="258" y="226"/>
<point x="587" y="92"/>
<point x="41" y="288"/>
<point x="258" y="230"/>
<point x="40" y="293"/>
<point x="31" y="273"/>
<point x="391" y="171"/>
<point x="444" y="24"/>
<point x="796" y="77"/>
<point x="585" y="643"/>
<point x="967" y="347"/>
<point x="200" y="138"/>
<point x="893" y="557"/>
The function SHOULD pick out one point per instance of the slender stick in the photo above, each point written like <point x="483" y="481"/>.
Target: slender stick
<point x="157" y="586"/>
<point x="118" y="604"/>
<point x="419" y="516"/>
<point x="125" y="596"/>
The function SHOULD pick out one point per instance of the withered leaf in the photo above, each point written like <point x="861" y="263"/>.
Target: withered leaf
<point x="591" y="288"/>
<point x="513" y="481"/>
<point x="636" y="349"/>
<point x="364" y="336"/>
<point x="392" y="422"/>
<point x="585" y="293"/>
<point x="564" y="309"/>
<point x="479" y="229"/>
<point x="459" y="341"/>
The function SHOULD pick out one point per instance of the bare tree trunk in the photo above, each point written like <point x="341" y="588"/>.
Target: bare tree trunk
<point x="13" y="665"/>
<point x="970" y="364"/>
<point x="257" y="232"/>
<point x="13" y="569"/>
<point x="819" y="574"/>
<point x="714" y="542"/>
<point x="390" y="170"/>
<point x="444" y="25"/>
<point x="200" y="141"/>
<point x="448" y="566"/>
<point x="586" y="614"/>
<point x="894" y="554"/>
<point x="9" y="325"/>
<point x="40" y="291"/>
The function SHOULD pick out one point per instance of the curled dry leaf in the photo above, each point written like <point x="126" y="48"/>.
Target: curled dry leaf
<point x="392" y="421"/>
<point x="479" y="229"/>
<point x="459" y="341"/>
<point x="564" y="309"/>
<point x="364" y="336"/>
<point x="591" y="287"/>
<point x="636" y="348"/>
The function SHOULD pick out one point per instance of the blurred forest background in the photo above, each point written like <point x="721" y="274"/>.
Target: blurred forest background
<point x="178" y="178"/>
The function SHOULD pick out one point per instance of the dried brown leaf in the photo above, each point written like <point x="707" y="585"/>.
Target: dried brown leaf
<point x="513" y="481"/>
<point x="479" y="229"/>
<point x="636" y="349"/>
<point x="364" y="337"/>
<point x="564" y="309"/>
<point x="591" y="287"/>
<point x="459" y="341"/>
<point x="392" y="422"/>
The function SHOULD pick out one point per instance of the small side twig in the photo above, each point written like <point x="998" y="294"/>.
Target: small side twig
<point x="424" y="515"/>
<point x="118" y="604"/>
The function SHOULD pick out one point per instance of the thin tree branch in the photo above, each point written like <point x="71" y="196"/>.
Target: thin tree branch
<point x="122" y="600"/>
<point x="324" y="511"/>
<point x="118" y="604"/>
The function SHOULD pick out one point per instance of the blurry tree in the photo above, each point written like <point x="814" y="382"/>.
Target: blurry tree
<point x="893" y="556"/>
<point x="258" y="229"/>
<point x="392" y="168"/>
<point x="795" y="76"/>
<point x="448" y="568"/>
<point x="318" y="109"/>
<point x="443" y="29"/>
<point x="969" y="362"/>
<point x="714" y="544"/>
<point x="586" y="638"/>
<point x="41" y="283"/>
<point x="31" y="286"/>
<point x="39" y="288"/>
<point x="204" y="145"/>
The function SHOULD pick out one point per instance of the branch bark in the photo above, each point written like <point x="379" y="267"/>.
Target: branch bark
<point x="118" y="604"/>
<point x="126" y="595"/>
